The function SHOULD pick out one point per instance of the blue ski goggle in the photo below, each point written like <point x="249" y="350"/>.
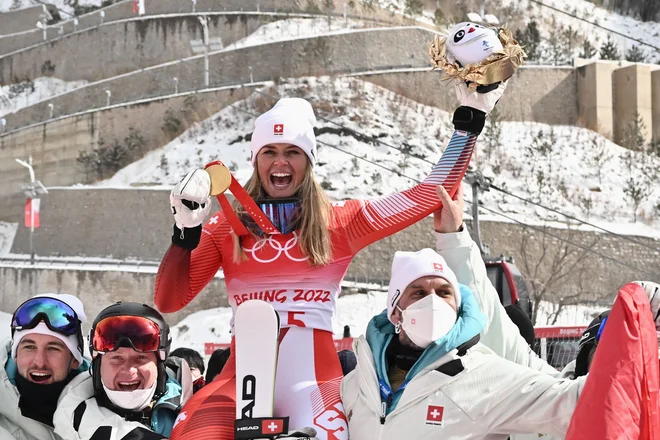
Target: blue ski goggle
<point x="283" y="213"/>
<point x="57" y="315"/>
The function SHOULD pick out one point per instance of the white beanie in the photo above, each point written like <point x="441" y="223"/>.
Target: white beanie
<point x="291" y="121"/>
<point x="653" y="291"/>
<point x="409" y="266"/>
<point x="70" y="341"/>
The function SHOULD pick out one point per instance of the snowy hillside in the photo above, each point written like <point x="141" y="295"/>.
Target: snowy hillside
<point x="571" y="169"/>
<point x="63" y="5"/>
<point x="517" y="13"/>
<point x="7" y="234"/>
<point x="17" y="96"/>
<point x="353" y="310"/>
<point x="293" y="28"/>
<point x="551" y="22"/>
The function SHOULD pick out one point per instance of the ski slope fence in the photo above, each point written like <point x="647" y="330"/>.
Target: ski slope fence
<point x="557" y="345"/>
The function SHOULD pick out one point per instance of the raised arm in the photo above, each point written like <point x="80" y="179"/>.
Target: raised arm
<point x="381" y="218"/>
<point x="193" y="258"/>
<point x="463" y="256"/>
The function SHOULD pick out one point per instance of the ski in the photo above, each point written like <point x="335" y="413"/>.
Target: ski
<point x="256" y="332"/>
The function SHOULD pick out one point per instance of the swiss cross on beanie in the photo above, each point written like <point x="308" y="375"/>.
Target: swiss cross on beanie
<point x="290" y="121"/>
<point x="71" y="342"/>
<point x="409" y="266"/>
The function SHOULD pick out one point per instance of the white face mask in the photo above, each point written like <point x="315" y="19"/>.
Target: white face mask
<point x="131" y="400"/>
<point x="427" y="320"/>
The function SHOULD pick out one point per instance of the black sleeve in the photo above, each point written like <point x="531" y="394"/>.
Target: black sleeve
<point x="189" y="239"/>
<point x="469" y="119"/>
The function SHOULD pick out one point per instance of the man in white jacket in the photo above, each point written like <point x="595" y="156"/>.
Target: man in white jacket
<point x="422" y="374"/>
<point x="39" y="362"/>
<point x="129" y="394"/>
<point x="462" y="254"/>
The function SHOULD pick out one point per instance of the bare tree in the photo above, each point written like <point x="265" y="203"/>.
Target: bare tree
<point x="557" y="271"/>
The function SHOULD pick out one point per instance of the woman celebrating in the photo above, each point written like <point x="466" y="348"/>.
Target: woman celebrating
<point x="300" y="270"/>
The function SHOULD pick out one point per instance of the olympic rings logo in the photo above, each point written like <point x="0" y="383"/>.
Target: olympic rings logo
<point x="275" y="245"/>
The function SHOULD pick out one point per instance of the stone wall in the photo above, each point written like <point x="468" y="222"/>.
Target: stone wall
<point x="56" y="145"/>
<point x="547" y="95"/>
<point x="97" y="289"/>
<point x="24" y="20"/>
<point x="357" y="51"/>
<point x="121" y="47"/>
<point x="138" y="224"/>
<point x="95" y="38"/>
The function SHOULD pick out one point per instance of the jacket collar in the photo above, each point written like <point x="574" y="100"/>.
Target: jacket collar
<point x="469" y="324"/>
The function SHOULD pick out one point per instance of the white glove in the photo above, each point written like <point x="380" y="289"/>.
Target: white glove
<point x="190" y="199"/>
<point x="299" y="434"/>
<point x="481" y="101"/>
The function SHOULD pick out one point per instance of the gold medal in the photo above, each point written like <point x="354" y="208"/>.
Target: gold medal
<point x="220" y="178"/>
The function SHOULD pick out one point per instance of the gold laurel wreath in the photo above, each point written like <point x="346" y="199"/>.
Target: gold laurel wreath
<point x="499" y="66"/>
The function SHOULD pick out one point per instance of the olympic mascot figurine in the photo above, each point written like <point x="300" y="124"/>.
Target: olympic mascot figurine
<point x="480" y="55"/>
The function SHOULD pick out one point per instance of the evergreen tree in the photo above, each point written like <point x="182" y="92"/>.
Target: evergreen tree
<point x="530" y="38"/>
<point x="414" y="7"/>
<point x="588" y="51"/>
<point x="635" y="55"/>
<point x="609" y="50"/>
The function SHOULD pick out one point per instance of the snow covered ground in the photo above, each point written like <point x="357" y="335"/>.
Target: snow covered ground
<point x="296" y="28"/>
<point x="353" y="310"/>
<point x="571" y="169"/>
<point x="63" y="5"/>
<point x="7" y="234"/>
<point x="17" y="96"/>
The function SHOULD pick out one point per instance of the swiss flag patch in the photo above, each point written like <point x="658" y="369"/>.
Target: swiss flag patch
<point x="278" y="129"/>
<point x="434" y="415"/>
<point x="272" y="426"/>
<point x="438" y="266"/>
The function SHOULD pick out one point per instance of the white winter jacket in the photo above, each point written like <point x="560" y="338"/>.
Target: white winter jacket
<point x="501" y="335"/>
<point x="15" y="425"/>
<point x="475" y="396"/>
<point x="79" y="417"/>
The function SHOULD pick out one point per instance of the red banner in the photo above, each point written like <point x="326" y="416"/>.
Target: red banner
<point x="32" y="213"/>
<point x="568" y="332"/>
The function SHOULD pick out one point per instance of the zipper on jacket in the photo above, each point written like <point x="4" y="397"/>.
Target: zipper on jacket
<point x="384" y="407"/>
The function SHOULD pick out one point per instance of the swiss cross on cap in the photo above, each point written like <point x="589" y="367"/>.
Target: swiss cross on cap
<point x="438" y="266"/>
<point x="272" y="426"/>
<point x="278" y="129"/>
<point x="434" y="414"/>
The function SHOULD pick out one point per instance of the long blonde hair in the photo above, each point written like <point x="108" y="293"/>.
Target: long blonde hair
<point x="314" y="233"/>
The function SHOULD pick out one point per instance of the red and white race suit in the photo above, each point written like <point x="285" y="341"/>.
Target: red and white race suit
<point x="304" y="295"/>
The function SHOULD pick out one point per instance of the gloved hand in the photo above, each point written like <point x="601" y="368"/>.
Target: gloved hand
<point x="190" y="199"/>
<point x="475" y="99"/>
<point x="299" y="434"/>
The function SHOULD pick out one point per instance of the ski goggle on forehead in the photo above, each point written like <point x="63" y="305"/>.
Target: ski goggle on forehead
<point x="57" y="315"/>
<point x="136" y="332"/>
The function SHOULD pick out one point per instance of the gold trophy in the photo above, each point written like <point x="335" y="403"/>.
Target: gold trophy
<point x="480" y="55"/>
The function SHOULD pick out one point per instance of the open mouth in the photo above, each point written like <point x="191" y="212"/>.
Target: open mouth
<point x="128" y="386"/>
<point x="39" y="377"/>
<point x="281" y="180"/>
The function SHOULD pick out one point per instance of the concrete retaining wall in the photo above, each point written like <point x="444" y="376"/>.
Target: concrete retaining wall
<point x="108" y="228"/>
<point x="366" y="50"/>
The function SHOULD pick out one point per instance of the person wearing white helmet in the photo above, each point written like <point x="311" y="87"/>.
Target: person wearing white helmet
<point x="421" y="372"/>
<point x="44" y="355"/>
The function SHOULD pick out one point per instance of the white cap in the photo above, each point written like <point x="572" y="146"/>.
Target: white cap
<point x="70" y="341"/>
<point x="653" y="291"/>
<point x="409" y="266"/>
<point x="291" y="121"/>
<point x="471" y="43"/>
